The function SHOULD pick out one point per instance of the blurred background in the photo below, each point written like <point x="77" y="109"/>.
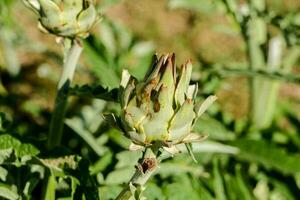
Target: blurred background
<point x="245" y="52"/>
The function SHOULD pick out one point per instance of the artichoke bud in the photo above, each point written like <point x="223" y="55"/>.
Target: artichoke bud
<point x="65" y="18"/>
<point x="183" y="83"/>
<point x="161" y="107"/>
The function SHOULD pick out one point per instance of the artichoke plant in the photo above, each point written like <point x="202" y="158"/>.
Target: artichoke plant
<point x="66" y="18"/>
<point x="162" y="107"/>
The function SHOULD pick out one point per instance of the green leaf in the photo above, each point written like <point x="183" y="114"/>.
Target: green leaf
<point x="110" y="192"/>
<point x="242" y="186"/>
<point x="27" y="150"/>
<point x="214" y="129"/>
<point x="119" y="176"/>
<point x="218" y="181"/>
<point x="281" y="191"/>
<point x="236" y="187"/>
<point x="7" y="192"/>
<point x="213" y="147"/>
<point x="76" y="124"/>
<point x="268" y="155"/>
<point x="3" y="173"/>
<point x="128" y="158"/>
<point x="258" y="4"/>
<point x="153" y="192"/>
<point x="124" y="167"/>
<point x="50" y="190"/>
<point x="107" y="76"/>
<point x="102" y="163"/>
<point x="171" y="168"/>
<point x="5" y="154"/>
<point x="9" y="142"/>
<point x="107" y="37"/>
<point x="74" y="184"/>
<point x="95" y="91"/>
<point x="179" y="191"/>
<point x="86" y="184"/>
<point x="30" y="185"/>
<point x="119" y="138"/>
<point x="203" y="192"/>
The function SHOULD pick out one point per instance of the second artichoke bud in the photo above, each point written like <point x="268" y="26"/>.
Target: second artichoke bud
<point x="66" y="18"/>
<point x="162" y="107"/>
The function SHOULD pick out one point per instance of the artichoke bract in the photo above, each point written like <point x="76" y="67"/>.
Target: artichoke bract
<point x="66" y="18"/>
<point x="162" y="107"/>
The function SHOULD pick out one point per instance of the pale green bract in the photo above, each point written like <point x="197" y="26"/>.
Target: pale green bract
<point x="162" y="107"/>
<point x="65" y="18"/>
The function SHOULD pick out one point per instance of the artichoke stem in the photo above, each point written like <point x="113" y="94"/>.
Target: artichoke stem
<point x="57" y="120"/>
<point x="145" y="168"/>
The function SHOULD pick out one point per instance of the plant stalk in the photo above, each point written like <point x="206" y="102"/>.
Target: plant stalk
<point x="56" y="125"/>
<point x="146" y="167"/>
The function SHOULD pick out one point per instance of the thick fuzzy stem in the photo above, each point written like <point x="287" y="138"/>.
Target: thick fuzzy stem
<point x="56" y="124"/>
<point x="145" y="168"/>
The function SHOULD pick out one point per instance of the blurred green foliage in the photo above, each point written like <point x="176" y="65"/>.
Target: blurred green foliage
<point x="249" y="57"/>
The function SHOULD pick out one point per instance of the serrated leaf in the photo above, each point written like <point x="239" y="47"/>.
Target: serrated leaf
<point x="5" y="154"/>
<point x="86" y="184"/>
<point x="9" y="142"/>
<point x="268" y="155"/>
<point x="27" y="150"/>
<point x="95" y="91"/>
<point x="7" y="192"/>
<point x="106" y="74"/>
